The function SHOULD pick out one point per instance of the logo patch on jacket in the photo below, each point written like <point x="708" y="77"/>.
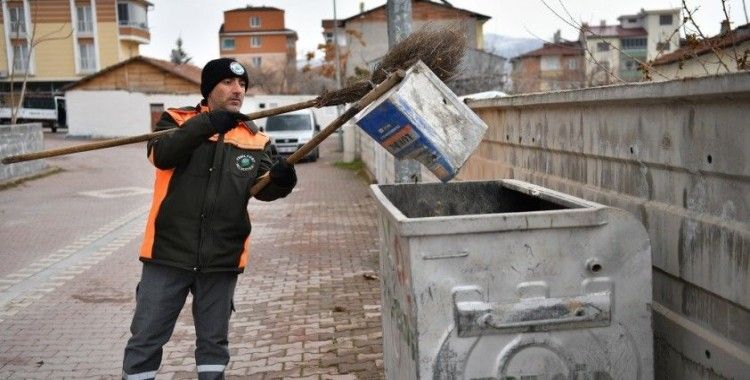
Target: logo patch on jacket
<point x="245" y="162"/>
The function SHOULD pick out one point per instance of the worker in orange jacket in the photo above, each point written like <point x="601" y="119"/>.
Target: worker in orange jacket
<point x="198" y="228"/>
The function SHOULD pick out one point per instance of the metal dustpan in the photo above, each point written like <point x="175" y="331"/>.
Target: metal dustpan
<point x="422" y="119"/>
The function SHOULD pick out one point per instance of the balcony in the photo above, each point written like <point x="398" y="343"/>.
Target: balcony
<point x="133" y="21"/>
<point x="135" y="34"/>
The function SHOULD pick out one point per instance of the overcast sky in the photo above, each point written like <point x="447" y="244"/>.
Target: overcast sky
<point x="198" y="21"/>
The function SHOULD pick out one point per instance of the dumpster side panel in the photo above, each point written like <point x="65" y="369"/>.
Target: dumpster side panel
<point x="399" y="318"/>
<point x="526" y="275"/>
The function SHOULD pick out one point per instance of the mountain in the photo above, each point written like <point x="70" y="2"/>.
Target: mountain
<point x="510" y="47"/>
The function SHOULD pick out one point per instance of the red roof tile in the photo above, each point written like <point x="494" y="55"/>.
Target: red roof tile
<point x="722" y="41"/>
<point x="560" y="48"/>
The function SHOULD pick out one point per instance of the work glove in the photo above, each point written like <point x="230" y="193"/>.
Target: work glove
<point x="222" y="120"/>
<point x="283" y="174"/>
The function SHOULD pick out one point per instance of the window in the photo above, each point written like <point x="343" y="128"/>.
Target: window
<point x="632" y="20"/>
<point x="255" y="22"/>
<point x="630" y="65"/>
<point x="549" y="63"/>
<point x="665" y="20"/>
<point x="255" y="41"/>
<point x="87" y="57"/>
<point x="84" y="20"/>
<point x="227" y="44"/>
<point x="572" y="63"/>
<point x="662" y="46"/>
<point x="20" y="57"/>
<point x="132" y="15"/>
<point x="17" y="21"/>
<point x="329" y="37"/>
<point x="602" y="46"/>
<point x="633" y="43"/>
<point x="257" y="61"/>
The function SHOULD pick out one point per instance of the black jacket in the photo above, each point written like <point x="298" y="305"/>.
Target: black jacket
<point x="199" y="218"/>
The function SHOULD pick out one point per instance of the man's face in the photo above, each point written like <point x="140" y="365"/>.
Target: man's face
<point x="228" y="95"/>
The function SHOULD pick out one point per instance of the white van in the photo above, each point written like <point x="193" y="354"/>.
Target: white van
<point x="291" y="130"/>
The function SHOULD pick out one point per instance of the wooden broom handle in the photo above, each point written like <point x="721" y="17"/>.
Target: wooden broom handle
<point x="374" y="94"/>
<point x="134" y="139"/>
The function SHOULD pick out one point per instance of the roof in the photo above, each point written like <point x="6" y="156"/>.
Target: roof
<point x="190" y="73"/>
<point x="250" y="8"/>
<point x="721" y="41"/>
<point x="613" y="31"/>
<point x="558" y="48"/>
<point x="249" y="32"/>
<point x="644" y="12"/>
<point x="341" y="22"/>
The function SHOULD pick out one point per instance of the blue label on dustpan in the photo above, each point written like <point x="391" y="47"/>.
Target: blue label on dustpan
<point x="401" y="134"/>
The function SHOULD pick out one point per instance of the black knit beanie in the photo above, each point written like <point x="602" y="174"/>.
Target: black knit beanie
<point x="219" y="69"/>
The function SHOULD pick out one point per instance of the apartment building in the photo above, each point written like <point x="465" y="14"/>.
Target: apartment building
<point x="363" y="40"/>
<point x="613" y="51"/>
<point x="69" y="39"/>
<point x="556" y="65"/>
<point x="258" y="37"/>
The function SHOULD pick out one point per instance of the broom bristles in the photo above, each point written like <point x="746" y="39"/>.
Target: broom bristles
<point x="441" y="49"/>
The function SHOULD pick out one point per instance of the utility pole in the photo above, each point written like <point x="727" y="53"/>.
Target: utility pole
<point x="336" y="50"/>
<point x="399" y="26"/>
<point x="341" y="133"/>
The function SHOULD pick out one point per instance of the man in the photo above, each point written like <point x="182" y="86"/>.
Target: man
<point x="198" y="228"/>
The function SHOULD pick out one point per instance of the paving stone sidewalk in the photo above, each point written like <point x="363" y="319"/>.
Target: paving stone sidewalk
<point x="307" y="306"/>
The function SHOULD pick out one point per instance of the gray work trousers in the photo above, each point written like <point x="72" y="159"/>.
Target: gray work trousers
<point x="160" y="296"/>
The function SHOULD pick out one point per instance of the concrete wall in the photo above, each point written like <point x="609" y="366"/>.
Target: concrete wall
<point x="18" y="139"/>
<point x="675" y="154"/>
<point x="123" y="113"/>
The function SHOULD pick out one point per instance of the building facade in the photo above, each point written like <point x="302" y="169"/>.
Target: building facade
<point x="556" y="65"/>
<point x="258" y="37"/>
<point x="53" y="43"/>
<point x="363" y="38"/>
<point x="614" y="52"/>
<point x="724" y="53"/>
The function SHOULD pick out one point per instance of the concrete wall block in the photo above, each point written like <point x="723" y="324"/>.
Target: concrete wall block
<point x="675" y="155"/>
<point x="18" y="139"/>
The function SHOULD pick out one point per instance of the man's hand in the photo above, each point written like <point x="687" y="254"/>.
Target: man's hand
<point x="222" y="120"/>
<point x="283" y="174"/>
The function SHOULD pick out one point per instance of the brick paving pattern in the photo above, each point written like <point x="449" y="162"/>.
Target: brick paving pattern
<point x="307" y="307"/>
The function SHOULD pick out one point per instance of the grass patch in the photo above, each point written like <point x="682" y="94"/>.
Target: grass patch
<point x="355" y="165"/>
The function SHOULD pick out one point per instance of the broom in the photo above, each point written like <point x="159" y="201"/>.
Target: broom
<point x="441" y="49"/>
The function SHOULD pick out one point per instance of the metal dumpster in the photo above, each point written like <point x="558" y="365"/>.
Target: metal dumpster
<point x="508" y="280"/>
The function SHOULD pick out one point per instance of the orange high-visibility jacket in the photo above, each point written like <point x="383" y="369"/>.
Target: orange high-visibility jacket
<point x="198" y="219"/>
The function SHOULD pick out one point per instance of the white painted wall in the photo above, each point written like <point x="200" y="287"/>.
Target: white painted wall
<point x="662" y="33"/>
<point x="116" y="113"/>
<point x="123" y="113"/>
